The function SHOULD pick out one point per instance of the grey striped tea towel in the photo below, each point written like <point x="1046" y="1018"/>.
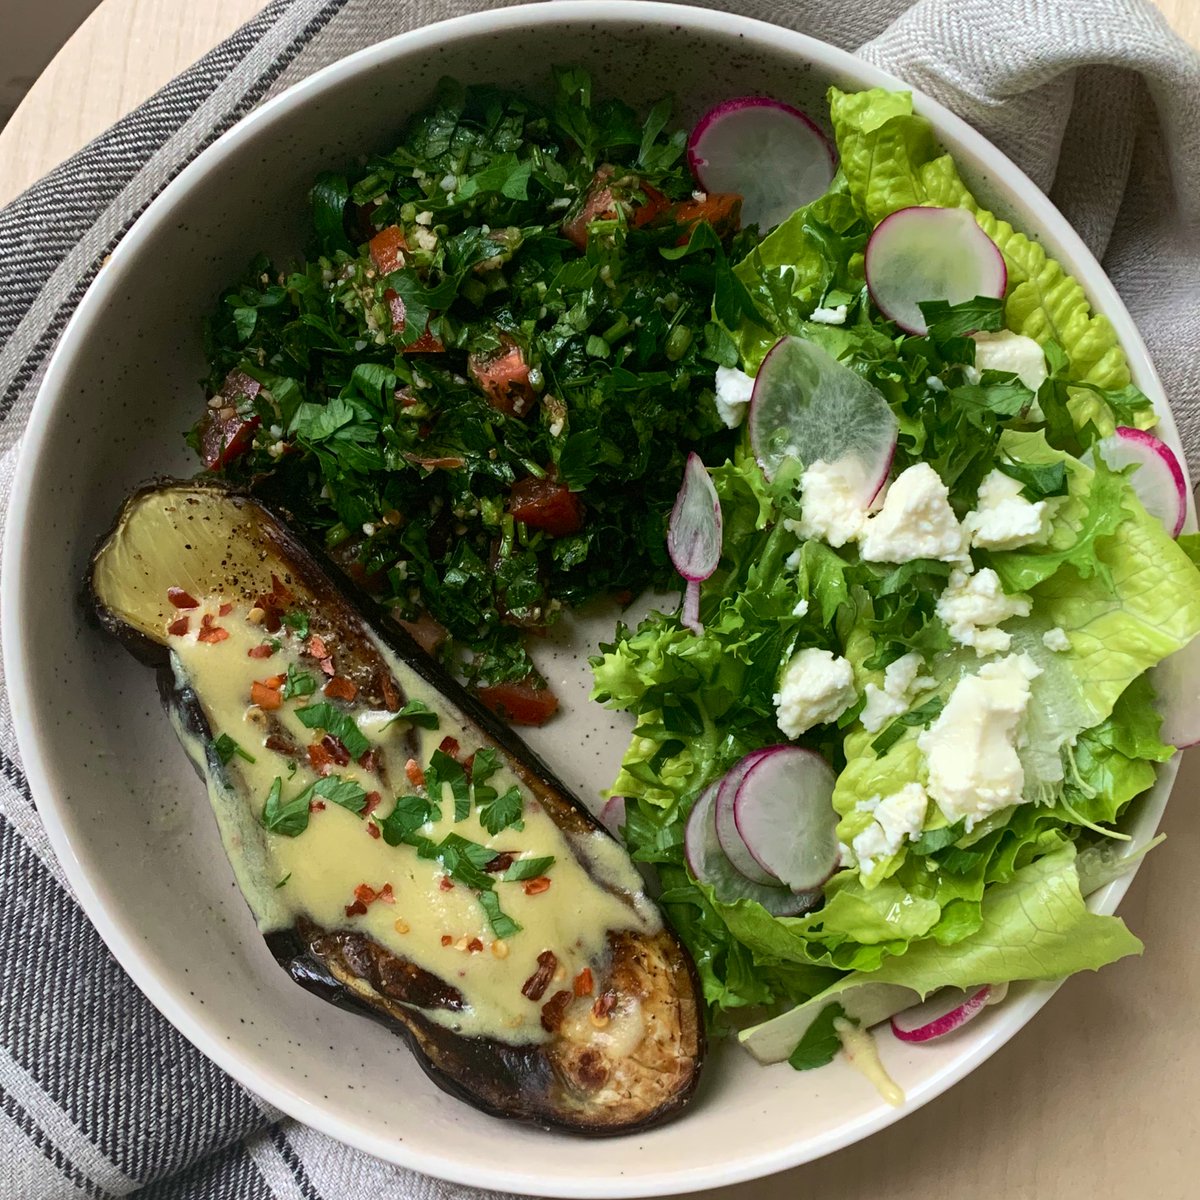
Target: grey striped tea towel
<point x="99" y="1095"/>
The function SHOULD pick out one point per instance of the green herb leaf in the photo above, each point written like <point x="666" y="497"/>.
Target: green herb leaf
<point x="290" y="819"/>
<point x="946" y="320"/>
<point x="502" y="813"/>
<point x="409" y="814"/>
<point x="226" y="748"/>
<point x="329" y="196"/>
<point x="283" y="881"/>
<point x="503" y="926"/>
<point x="417" y="712"/>
<point x="528" y="868"/>
<point x="297" y="683"/>
<point x="820" y="1043"/>
<point x="324" y="715"/>
<point x="1039" y="479"/>
<point x="344" y="792"/>
<point x="920" y="717"/>
<point x="297" y="621"/>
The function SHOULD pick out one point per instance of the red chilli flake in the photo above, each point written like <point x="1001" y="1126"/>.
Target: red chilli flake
<point x="209" y="632"/>
<point x="446" y="939"/>
<point x="583" y="982"/>
<point x="326" y="665"/>
<point x="357" y="909"/>
<point x="224" y="610"/>
<point x="605" y="1004"/>
<point x="370" y="760"/>
<point x="446" y="884"/>
<point x="386" y="894"/>
<point x="340" y="688"/>
<point x="263" y="651"/>
<point x="336" y="750"/>
<point x="180" y="599"/>
<point x="474" y="945"/>
<point x="449" y="746"/>
<point x="372" y="803"/>
<point x="554" y="1010"/>
<point x="179" y="626"/>
<point x="316" y="647"/>
<point x="534" y="988"/>
<point x="316" y="806"/>
<point x="365" y="892"/>
<point x="373" y="829"/>
<point x="319" y="758"/>
<point x="536" y="885"/>
<point x="416" y="776"/>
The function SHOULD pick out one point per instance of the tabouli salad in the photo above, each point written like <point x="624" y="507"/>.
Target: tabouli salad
<point x="882" y="748"/>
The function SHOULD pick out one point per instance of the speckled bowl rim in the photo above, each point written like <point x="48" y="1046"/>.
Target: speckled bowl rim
<point x="36" y="750"/>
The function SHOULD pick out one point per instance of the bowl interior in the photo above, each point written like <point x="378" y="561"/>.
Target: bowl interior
<point x="127" y="816"/>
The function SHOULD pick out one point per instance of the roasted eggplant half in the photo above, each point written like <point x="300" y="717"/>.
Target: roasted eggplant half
<point x="404" y="853"/>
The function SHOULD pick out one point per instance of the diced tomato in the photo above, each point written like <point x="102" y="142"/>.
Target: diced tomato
<point x="544" y="504"/>
<point x="722" y="210"/>
<point x="340" y="688"/>
<point x="598" y="204"/>
<point x="654" y="206"/>
<point x="428" y="633"/>
<point x="238" y="385"/>
<point x="387" y="249"/>
<point x="221" y="441"/>
<point x="504" y="378"/>
<point x="265" y="697"/>
<point x="426" y="343"/>
<point x="523" y="702"/>
<point x="181" y="599"/>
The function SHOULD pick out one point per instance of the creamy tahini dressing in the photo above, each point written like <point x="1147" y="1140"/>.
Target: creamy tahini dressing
<point x="441" y="929"/>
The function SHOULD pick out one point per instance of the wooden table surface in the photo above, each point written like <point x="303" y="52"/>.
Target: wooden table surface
<point x="1099" y="1097"/>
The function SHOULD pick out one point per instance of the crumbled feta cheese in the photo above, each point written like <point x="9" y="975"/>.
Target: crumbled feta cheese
<point x="831" y="511"/>
<point x="829" y="316"/>
<point x="973" y="605"/>
<point x="815" y="688"/>
<point x="846" y="857"/>
<point x="916" y="521"/>
<point x="1008" y="351"/>
<point x="448" y="183"/>
<point x="699" y="196"/>
<point x="424" y="218"/>
<point x="901" y="681"/>
<point x="1056" y="639"/>
<point x="1002" y="518"/>
<point x="971" y="748"/>
<point x="734" y="389"/>
<point x="934" y="384"/>
<point x="897" y="817"/>
<point x="972" y="374"/>
<point x="801" y="609"/>
<point x="560" y="202"/>
<point x="368" y="529"/>
<point x="556" y="427"/>
<point x="426" y="239"/>
<point x="792" y="562"/>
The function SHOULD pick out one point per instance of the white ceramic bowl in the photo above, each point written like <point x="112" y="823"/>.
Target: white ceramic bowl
<point x="127" y="818"/>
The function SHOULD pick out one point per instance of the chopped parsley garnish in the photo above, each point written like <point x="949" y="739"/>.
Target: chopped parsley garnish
<point x="291" y="819"/>
<point x="297" y="622"/>
<point x="919" y="717"/>
<point x="820" y="1042"/>
<point x="528" y="868"/>
<point x="504" y="812"/>
<point x="283" y="881"/>
<point x="503" y="926"/>
<point x="297" y="683"/>
<point x="324" y="715"/>
<point x="417" y="712"/>
<point x="226" y="748"/>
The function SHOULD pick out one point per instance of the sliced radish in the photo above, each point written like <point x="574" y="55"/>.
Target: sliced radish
<point x="735" y="849"/>
<point x="784" y="813"/>
<point x="768" y="152"/>
<point x="694" y="531"/>
<point x="1158" y="481"/>
<point x="808" y="406"/>
<point x="708" y="863"/>
<point x="921" y="254"/>
<point x="944" y="1012"/>
<point x="612" y="815"/>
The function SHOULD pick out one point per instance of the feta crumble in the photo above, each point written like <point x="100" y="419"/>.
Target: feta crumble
<point x="897" y="817"/>
<point x="801" y="609"/>
<point x="734" y="388"/>
<point x="1056" y="639"/>
<point x="830" y="509"/>
<point x="1002" y="518"/>
<point x="916" y="521"/>
<point x="972" y="606"/>
<point x="971" y="748"/>
<point x="1012" y="352"/>
<point x="815" y="688"/>
<point x="829" y="316"/>
<point x="901" y="681"/>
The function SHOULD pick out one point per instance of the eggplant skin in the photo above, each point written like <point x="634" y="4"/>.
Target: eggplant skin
<point x="573" y="1082"/>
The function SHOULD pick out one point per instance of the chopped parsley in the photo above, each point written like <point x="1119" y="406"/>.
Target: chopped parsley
<point x="298" y="683"/>
<point x="297" y="622"/>
<point x="611" y="347"/>
<point x="417" y="712"/>
<point x="528" y="868"/>
<point x="324" y="715"/>
<point x="291" y="819"/>
<point x="226" y="748"/>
